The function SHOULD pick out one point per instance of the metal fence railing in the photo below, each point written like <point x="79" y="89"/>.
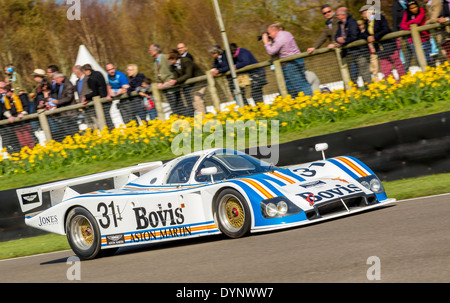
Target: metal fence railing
<point x="401" y="52"/>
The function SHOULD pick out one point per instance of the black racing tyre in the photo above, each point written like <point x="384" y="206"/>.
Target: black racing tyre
<point x="83" y="233"/>
<point x="232" y="213"/>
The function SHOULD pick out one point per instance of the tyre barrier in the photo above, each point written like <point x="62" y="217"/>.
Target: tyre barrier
<point x="395" y="150"/>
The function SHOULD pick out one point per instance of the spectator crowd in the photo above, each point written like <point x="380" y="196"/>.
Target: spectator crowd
<point x="172" y="69"/>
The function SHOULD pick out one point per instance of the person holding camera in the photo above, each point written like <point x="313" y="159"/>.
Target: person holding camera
<point x="282" y="45"/>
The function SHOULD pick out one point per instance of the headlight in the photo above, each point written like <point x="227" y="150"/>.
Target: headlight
<point x="365" y="184"/>
<point x="278" y="207"/>
<point x="282" y="207"/>
<point x="271" y="210"/>
<point x="375" y="186"/>
<point x="372" y="183"/>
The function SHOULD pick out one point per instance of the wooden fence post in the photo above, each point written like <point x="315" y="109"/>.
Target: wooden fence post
<point x="213" y="91"/>
<point x="101" y="121"/>
<point x="343" y="68"/>
<point x="158" y="102"/>
<point x="281" y="82"/>
<point x="417" y="44"/>
<point x="43" y="121"/>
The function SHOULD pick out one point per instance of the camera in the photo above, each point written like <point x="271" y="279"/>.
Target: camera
<point x="260" y="36"/>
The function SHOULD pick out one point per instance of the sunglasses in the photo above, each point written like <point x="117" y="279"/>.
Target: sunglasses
<point x="326" y="12"/>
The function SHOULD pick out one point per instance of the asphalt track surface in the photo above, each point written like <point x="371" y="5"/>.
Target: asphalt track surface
<point x="410" y="239"/>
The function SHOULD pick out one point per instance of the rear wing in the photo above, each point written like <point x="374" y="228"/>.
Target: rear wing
<point x="31" y="198"/>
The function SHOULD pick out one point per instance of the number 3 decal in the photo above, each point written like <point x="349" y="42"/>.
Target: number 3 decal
<point x="306" y="172"/>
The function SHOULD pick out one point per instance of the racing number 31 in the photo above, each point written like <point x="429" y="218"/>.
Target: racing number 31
<point x="104" y="210"/>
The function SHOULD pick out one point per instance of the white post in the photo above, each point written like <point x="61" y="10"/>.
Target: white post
<point x="237" y="89"/>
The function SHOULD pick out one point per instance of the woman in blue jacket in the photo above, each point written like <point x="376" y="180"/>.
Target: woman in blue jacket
<point x="243" y="57"/>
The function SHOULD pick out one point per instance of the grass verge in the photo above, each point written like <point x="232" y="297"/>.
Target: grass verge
<point x="401" y="189"/>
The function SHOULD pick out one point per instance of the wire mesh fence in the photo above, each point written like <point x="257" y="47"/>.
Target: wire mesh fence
<point x="360" y="63"/>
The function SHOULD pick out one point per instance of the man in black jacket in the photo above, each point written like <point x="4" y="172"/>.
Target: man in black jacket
<point x="98" y="87"/>
<point x="96" y="83"/>
<point x="184" y="69"/>
<point x="348" y="32"/>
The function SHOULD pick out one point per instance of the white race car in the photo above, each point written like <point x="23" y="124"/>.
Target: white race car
<point x="203" y="193"/>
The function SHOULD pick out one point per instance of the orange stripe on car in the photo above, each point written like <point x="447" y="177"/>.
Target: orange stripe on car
<point x="353" y="166"/>
<point x="261" y="189"/>
<point x="285" y="178"/>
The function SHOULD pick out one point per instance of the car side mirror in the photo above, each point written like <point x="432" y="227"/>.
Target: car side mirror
<point x="322" y="147"/>
<point x="209" y="171"/>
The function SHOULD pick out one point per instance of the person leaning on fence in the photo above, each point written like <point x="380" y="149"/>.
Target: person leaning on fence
<point x="329" y="32"/>
<point x="415" y="14"/>
<point x="51" y="70"/>
<point x="66" y="92"/>
<point x="397" y="11"/>
<point x="118" y="82"/>
<point x="376" y="27"/>
<point x="82" y="89"/>
<point x="132" y="106"/>
<point x="43" y="99"/>
<point x="183" y="51"/>
<point x="221" y="66"/>
<point x="439" y="12"/>
<point x="81" y="85"/>
<point x="256" y="77"/>
<point x="65" y="96"/>
<point x="15" y="107"/>
<point x="145" y="91"/>
<point x="184" y="69"/>
<point x="98" y="88"/>
<point x="44" y="103"/>
<point x="280" y="43"/>
<point x="38" y="77"/>
<point x="163" y="74"/>
<point x="8" y="140"/>
<point x="117" y="85"/>
<point x="347" y="33"/>
<point x="96" y="83"/>
<point x="371" y="55"/>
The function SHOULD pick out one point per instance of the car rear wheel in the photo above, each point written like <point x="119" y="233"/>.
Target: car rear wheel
<point x="233" y="214"/>
<point x="83" y="233"/>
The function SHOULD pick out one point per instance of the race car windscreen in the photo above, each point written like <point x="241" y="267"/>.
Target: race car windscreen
<point x="231" y="164"/>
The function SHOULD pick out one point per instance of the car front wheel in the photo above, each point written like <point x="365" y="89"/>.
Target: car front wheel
<point x="233" y="214"/>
